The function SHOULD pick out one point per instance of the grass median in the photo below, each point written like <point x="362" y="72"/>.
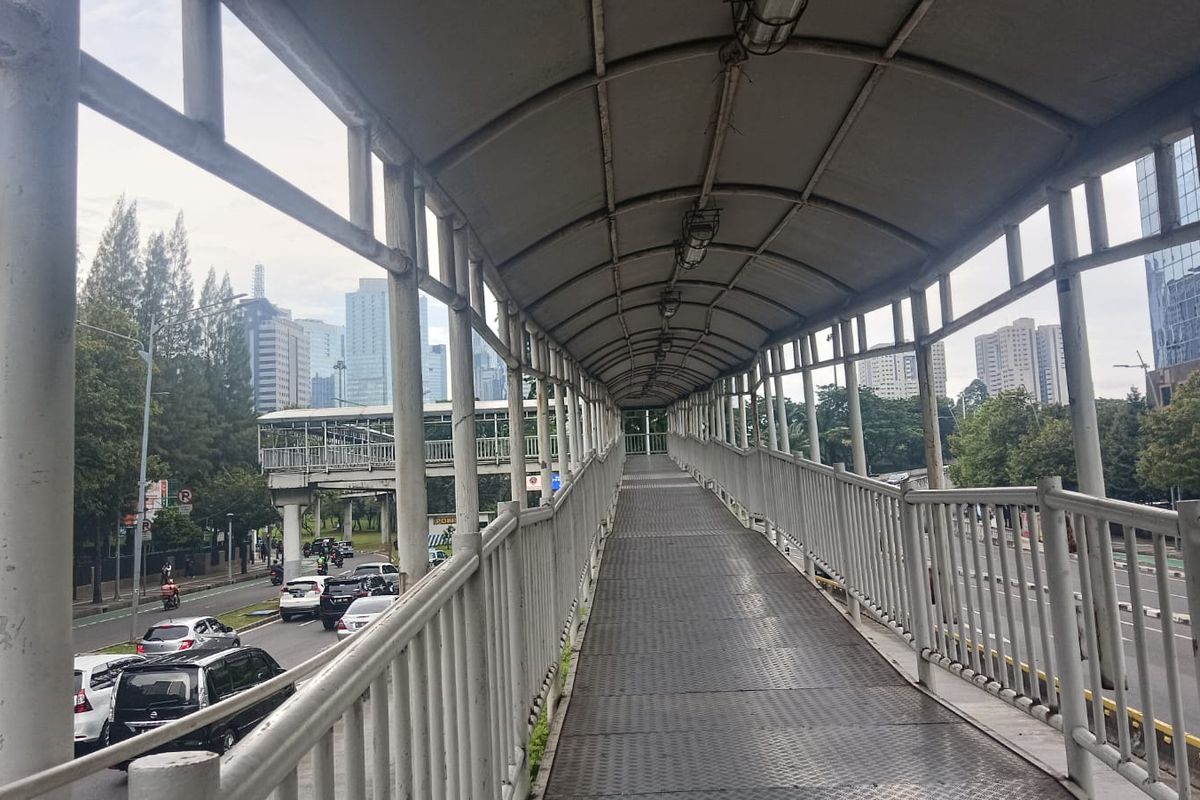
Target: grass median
<point x="238" y="619"/>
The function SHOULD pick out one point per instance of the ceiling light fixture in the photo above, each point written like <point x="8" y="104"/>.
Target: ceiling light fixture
<point x="668" y="303"/>
<point x="699" y="230"/>
<point x="763" y="27"/>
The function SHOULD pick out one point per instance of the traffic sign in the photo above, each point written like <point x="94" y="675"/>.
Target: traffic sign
<point x="185" y="508"/>
<point x="185" y="497"/>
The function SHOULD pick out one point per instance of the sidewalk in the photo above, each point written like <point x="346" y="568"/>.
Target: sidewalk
<point x="218" y="577"/>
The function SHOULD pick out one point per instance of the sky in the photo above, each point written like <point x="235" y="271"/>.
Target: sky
<point x="273" y="118"/>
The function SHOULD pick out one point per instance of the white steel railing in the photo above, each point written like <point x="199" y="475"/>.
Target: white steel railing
<point x="636" y="444"/>
<point x="983" y="583"/>
<point x="378" y="455"/>
<point x="443" y="714"/>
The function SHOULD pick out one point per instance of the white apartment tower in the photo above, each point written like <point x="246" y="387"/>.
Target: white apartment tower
<point x="894" y="376"/>
<point x="1023" y="355"/>
<point x="279" y="357"/>
<point x="368" y="360"/>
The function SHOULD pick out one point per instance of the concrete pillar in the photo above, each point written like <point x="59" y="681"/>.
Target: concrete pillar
<point x="807" y="351"/>
<point x="781" y="420"/>
<point x="180" y="776"/>
<point x="292" y="552"/>
<point x="317" y="517"/>
<point x="925" y="391"/>
<point x="1085" y="430"/>
<point x="39" y="96"/>
<point x="853" y="400"/>
<point x="543" y="419"/>
<point x="765" y="361"/>
<point x="385" y="521"/>
<point x="514" y="337"/>
<point x="404" y="214"/>
<point x="348" y="519"/>
<point x="560" y="419"/>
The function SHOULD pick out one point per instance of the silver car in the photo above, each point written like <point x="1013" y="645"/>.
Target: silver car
<point x="374" y="568"/>
<point x="361" y="612"/>
<point x="188" y="633"/>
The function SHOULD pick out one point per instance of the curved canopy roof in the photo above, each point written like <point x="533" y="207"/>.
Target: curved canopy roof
<point x="876" y="146"/>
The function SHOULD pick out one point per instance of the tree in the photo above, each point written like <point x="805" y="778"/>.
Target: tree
<point x="1120" y="423"/>
<point x="983" y="444"/>
<point x="116" y="274"/>
<point x="1044" y="450"/>
<point x="174" y="530"/>
<point x="1170" y="456"/>
<point x="972" y="397"/>
<point x="155" y="299"/>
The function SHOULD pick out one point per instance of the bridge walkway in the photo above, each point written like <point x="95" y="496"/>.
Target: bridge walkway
<point x="712" y="670"/>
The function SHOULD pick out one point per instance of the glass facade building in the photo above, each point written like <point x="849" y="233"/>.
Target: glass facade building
<point x="1173" y="275"/>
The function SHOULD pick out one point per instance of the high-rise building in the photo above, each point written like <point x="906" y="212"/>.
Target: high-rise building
<point x="368" y="350"/>
<point x="491" y="373"/>
<point x="326" y="348"/>
<point x="894" y="376"/>
<point x="1172" y="276"/>
<point x="434" y="370"/>
<point x="279" y="357"/>
<point x="1026" y="356"/>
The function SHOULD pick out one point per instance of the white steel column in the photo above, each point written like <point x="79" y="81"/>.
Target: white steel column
<point x="765" y="368"/>
<point x="203" y="86"/>
<point x="543" y="418"/>
<point x="292" y="513"/>
<point x="807" y="352"/>
<point x="781" y="420"/>
<point x="727" y="428"/>
<point x="560" y="419"/>
<point x="402" y="207"/>
<point x="743" y="433"/>
<point x="467" y="538"/>
<point x="853" y="401"/>
<point x="928" y="398"/>
<point x="514" y="337"/>
<point x="1085" y="431"/>
<point x="358" y="159"/>
<point x="39" y="96"/>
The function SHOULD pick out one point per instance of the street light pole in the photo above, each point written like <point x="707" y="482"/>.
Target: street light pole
<point x="229" y="545"/>
<point x="138" y="532"/>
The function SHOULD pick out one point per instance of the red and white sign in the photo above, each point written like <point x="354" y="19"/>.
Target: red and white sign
<point x="156" y="495"/>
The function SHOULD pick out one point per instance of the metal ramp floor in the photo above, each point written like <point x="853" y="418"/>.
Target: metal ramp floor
<point x="711" y="670"/>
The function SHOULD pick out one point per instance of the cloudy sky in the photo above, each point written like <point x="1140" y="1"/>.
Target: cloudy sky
<point x="274" y="119"/>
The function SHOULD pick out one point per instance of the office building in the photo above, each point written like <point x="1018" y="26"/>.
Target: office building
<point x="326" y="351"/>
<point x="1172" y="277"/>
<point x="894" y="376"/>
<point x="434" y="374"/>
<point x="1023" y="356"/>
<point x="368" y="352"/>
<point x="491" y="373"/>
<point x="279" y="357"/>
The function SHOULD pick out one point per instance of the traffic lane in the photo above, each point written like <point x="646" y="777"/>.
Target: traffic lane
<point x="101" y="630"/>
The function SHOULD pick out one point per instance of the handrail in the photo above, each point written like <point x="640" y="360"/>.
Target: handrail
<point x="991" y="495"/>
<point x="1149" y="518"/>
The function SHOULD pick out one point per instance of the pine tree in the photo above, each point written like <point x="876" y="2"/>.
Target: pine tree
<point x="116" y="274"/>
<point x="181" y="299"/>
<point x="156" y="287"/>
<point x="209" y="328"/>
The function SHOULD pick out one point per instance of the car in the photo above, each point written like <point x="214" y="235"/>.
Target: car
<point x="361" y="612"/>
<point x="345" y="547"/>
<point x="187" y="633"/>
<point x="168" y="687"/>
<point x="381" y="584"/>
<point x="437" y="557"/>
<point x="375" y="568"/>
<point x="301" y="597"/>
<point x="337" y="596"/>
<point x="321" y="546"/>
<point x="95" y="676"/>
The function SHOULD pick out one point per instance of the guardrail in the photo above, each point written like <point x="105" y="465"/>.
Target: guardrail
<point x="636" y="444"/>
<point x="981" y="582"/>
<point x="382" y="455"/>
<point x="450" y="679"/>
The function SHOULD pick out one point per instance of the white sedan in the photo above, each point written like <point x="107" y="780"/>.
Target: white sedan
<point x="361" y="612"/>
<point x="301" y="596"/>
<point x="95" y="677"/>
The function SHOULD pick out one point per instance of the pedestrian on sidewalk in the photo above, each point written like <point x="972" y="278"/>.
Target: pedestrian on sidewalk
<point x="165" y="570"/>
<point x="188" y="572"/>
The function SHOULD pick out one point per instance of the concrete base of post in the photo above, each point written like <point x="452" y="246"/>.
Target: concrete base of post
<point x="810" y="568"/>
<point x="189" y="775"/>
<point x="855" y="609"/>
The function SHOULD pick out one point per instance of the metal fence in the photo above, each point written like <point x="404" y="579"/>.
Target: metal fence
<point x="448" y="682"/>
<point x="382" y="455"/>
<point x="983" y="582"/>
<point x="639" y="444"/>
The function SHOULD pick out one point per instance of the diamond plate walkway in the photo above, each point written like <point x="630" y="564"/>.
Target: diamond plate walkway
<point x="711" y="670"/>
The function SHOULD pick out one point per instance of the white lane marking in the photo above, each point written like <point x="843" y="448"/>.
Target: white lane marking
<point x="302" y="624"/>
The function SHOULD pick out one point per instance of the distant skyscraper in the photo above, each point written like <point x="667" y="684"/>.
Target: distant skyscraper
<point x="279" y="358"/>
<point x="260" y="280"/>
<point x="368" y="350"/>
<point x="491" y="373"/>
<point x="433" y="374"/>
<point x="1026" y="356"/>
<point x="1172" y="276"/>
<point x="894" y="376"/>
<point x="326" y="347"/>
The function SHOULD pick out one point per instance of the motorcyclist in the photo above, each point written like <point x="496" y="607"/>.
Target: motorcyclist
<point x="170" y="594"/>
<point x="322" y="565"/>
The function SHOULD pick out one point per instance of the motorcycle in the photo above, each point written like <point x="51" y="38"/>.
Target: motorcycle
<point x="337" y="559"/>
<point x="170" y="596"/>
<point x="322" y="567"/>
<point x="276" y="574"/>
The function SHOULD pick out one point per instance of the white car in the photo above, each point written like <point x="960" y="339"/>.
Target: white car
<point x="374" y="568"/>
<point x="301" y="596"/>
<point x="362" y="611"/>
<point x="95" y="677"/>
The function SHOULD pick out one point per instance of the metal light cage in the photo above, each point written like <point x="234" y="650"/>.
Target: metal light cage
<point x="668" y="303"/>
<point x="763" y="27"/>
<point x="699" y="229"/>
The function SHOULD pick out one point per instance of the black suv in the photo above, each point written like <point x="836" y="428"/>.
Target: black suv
<point x="165" y="688"/>
<point x="337" y="596"/>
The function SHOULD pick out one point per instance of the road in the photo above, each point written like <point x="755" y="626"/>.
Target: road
<point x="289" y="643"/>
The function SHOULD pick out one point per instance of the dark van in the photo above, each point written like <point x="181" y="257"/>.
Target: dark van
<point x="165" y="688"/>
<point x="337" y="596"/>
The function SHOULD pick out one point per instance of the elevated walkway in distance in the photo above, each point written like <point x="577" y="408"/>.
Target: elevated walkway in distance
<point x="711" y="669"/>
